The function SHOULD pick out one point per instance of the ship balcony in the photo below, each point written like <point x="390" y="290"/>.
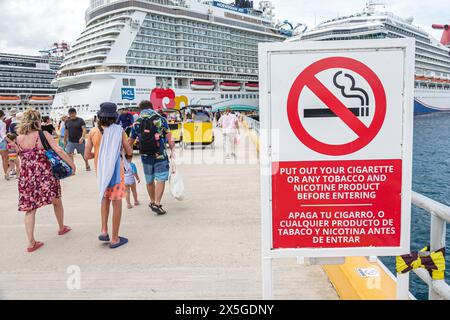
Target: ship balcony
<point x="116" y="27"/>
<point x="98" y="36"/>
<point x="81" y="53"/>
<point x="94" y="56"/>
<point x="82" y="65"/>
<point x="117" y="16"/>
<point x="92" y="43"/>
<point x="430" y="50"/>
<point x="432" y="63"/>
<point x="111" y="22"/>
<point x="21" y="85"/>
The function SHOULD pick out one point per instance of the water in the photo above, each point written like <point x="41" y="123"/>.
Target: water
<point x="431" y="177"/>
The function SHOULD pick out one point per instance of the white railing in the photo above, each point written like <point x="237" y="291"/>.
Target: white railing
<point x="252" y="124"/>
<point x="440" y="216"/>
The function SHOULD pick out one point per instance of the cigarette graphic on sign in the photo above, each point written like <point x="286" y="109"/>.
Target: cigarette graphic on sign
<point x="353" y="93"/>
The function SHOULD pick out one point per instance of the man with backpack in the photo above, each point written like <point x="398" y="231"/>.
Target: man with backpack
<point x="126" y="120"/>
<point x="153" y="133"/>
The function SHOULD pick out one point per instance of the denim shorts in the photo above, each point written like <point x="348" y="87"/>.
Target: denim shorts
<point x="155" y="169"/>
<point x="3" y="145"/>
<point x="71" y="147"/>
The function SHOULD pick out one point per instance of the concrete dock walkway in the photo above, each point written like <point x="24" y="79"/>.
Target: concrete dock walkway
<point x="206" y="247"/>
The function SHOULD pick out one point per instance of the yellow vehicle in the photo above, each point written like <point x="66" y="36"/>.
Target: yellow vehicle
<point x="174" y="119"/>
<point x="198" y="128"/>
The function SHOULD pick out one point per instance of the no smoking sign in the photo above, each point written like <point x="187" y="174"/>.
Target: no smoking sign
<point x="308" y="79"/>
<point x="336" y="135"/>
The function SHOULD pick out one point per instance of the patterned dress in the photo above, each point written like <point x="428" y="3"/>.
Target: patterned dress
<point x="37" y="186"/>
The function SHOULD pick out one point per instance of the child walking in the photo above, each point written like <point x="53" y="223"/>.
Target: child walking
<point x="131" y="176"/>
<point x="13" y="158"/>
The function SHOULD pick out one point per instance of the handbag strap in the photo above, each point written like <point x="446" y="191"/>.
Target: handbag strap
<point x="44" y="141"/>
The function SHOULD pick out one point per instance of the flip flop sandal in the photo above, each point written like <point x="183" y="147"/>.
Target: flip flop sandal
<point x="104" y="238"/>
<point x="64" y="231"/>
<point x="159" y="210"/>
<point x="37" y="245"/>
<point x="121" y="242"/>
<point x="153" y="206"/>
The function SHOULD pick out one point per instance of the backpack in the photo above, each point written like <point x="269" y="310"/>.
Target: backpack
<point x="148" y="143"/>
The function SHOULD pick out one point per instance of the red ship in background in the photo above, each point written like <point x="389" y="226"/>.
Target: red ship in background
<point x="445" y="35"/>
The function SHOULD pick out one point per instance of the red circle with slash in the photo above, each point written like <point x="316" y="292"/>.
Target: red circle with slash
<point x="308" y="79"/>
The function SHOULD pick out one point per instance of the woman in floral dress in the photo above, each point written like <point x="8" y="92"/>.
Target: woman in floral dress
<point x="37" y="186"/>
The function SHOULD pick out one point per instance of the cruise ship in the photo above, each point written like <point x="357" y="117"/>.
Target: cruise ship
<point x="173" y="52"/>
<point x="26" y="82"/>
<point x="432" y="82"/>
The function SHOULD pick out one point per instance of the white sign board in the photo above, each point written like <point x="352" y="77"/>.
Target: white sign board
<point x="336" y="147"/>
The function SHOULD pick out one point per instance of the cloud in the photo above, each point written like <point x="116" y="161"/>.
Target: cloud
<point x="30" y="25"/>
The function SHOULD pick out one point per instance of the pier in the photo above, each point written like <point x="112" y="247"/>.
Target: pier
<point x="206" y="247"/>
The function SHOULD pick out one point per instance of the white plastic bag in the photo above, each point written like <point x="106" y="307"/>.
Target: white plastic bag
<point x="176" y="185"/>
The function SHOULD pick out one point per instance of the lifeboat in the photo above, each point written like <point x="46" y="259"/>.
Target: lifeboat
<point x="202" y="85"/>
<point x="251" y="86"/>
<point x="230" y="86"/>
<point x="40" y="99"/>
<point x="10" y="100"/>
<point x="428" y="78"/>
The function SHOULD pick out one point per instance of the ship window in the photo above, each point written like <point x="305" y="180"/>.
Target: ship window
<point x="126" y="82"/>
<point x="133" y="82"/>
<point x="79" y="86"/>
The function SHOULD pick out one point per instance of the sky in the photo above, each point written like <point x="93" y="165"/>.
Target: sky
<point x="28" y="26"/>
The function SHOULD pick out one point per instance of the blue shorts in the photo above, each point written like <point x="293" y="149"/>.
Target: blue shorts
<point x="3" y="145"/>
<point x="155" y="169"/>
<point x="71" y="147"/>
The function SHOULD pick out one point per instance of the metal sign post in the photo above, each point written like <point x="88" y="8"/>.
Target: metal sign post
<point x="336" y="150"/>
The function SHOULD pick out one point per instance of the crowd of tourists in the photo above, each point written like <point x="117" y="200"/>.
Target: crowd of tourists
<point x="39" y="155"/>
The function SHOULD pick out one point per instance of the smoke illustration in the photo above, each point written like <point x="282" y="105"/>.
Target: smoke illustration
<point x="351" y="93"/>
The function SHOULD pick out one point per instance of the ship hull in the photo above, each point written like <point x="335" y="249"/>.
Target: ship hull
<point x="431" y="101"/>
<point x="109" y="88"/>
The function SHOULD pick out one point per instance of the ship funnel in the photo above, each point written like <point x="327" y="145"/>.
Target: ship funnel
<point x="446" y="33"/>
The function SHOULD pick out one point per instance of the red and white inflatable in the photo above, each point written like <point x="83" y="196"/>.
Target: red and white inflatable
<point x="202" y="85"/>
<point x="230" y="86"/>
<point x="251" y="86"/>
